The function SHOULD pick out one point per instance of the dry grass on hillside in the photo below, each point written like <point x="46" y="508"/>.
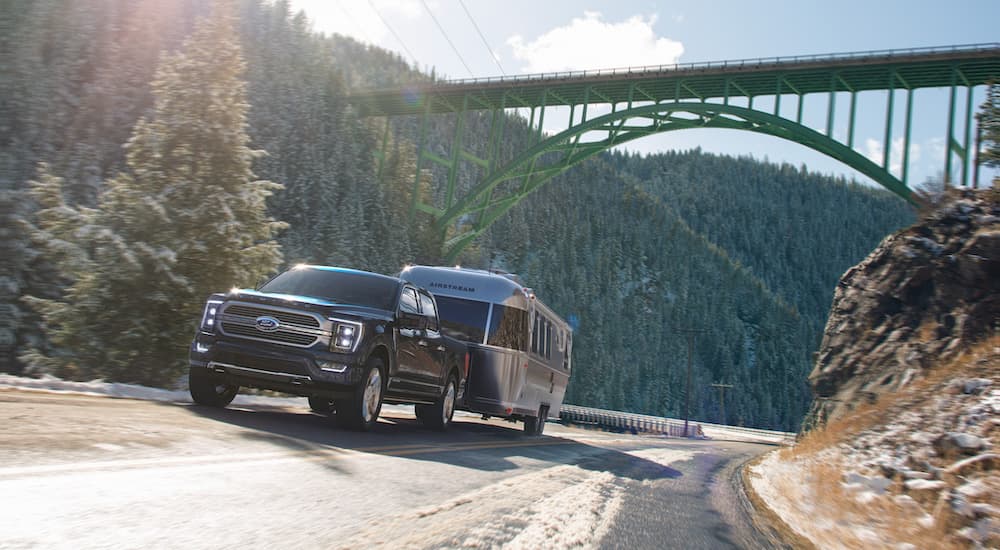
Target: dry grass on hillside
<point x="981" y="361"/>
<point x="809" y="485"/>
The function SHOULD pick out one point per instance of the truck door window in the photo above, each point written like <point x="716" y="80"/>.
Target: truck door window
<point x="408" y="301"/>
<point x="429" y="311"/>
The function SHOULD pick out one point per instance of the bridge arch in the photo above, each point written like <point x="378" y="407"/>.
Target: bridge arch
<point x="675" y="97"/>
<point x="535" y="166"/>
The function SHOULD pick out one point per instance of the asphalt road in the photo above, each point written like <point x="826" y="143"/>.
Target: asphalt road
<point x="97" y="472"/>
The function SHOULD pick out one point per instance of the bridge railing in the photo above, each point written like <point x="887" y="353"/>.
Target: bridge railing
<point x="730" y="64"/>
<point x="672" y="427"/>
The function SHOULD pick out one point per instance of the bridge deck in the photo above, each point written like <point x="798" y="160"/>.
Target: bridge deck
<point x="855" y="72"/>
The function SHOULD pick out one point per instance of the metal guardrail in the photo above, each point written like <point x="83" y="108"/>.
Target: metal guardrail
<point x="640" y="423"/>
<point x="628" y="422"/>
<point x="733" y="63"/>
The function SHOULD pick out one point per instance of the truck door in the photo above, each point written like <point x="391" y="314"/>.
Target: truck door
<point x="407" y="350"/>
<point x="433" y="354"/>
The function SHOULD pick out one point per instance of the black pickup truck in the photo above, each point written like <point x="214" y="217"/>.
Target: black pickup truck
<point x="348" y="340"/>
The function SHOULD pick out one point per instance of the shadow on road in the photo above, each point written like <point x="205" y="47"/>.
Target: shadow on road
<point x="468" y="444"/>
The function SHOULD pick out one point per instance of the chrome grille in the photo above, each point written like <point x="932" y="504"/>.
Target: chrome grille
<point x="283" y="336"/>
<point x="285" y="317"/>
<point x="299" y="329"/>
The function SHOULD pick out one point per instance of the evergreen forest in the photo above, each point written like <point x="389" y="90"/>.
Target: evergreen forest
<point x="154" y="152"/>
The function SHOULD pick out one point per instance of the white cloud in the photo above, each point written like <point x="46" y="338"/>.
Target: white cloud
<point x="359" y="20"/>
<point x="874" y="152"/>
<point x="589" y="42"/>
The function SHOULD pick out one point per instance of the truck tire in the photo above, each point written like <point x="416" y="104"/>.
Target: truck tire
<point x="438" y="416"/>
<point x="360" y="411"/>
<point x="321" y="405"/>
<point x="209" y="390"/>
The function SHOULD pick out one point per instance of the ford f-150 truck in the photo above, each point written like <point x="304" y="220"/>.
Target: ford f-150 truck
<point x="348" y="340"/>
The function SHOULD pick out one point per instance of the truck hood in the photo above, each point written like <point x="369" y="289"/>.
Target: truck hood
<point x="308" y="303"/>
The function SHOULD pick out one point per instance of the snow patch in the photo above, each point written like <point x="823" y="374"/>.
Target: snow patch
<point x="51" y="384"/>
<point x="577" y="517"/>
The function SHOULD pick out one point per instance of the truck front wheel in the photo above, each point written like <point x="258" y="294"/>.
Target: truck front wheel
<point x="360" y="411"/>
<point x="207" y="389"/>
<point x="321" y="405"/>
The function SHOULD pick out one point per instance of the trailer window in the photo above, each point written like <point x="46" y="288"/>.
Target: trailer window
<point x="463" y="319"/>
<point x="509" y="328"/>
<point x="548" y="340"/>
<point x="534" y="334"/>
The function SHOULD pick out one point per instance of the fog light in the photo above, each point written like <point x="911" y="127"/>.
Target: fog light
<point x="332" y="367"/>
<point x="200" y="348"/>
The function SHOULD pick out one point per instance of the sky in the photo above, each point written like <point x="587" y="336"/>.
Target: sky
<point x="484" y="38"/>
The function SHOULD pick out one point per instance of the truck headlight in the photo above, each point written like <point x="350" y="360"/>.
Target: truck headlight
<point x="208" y="318"/>
<point x="346" y="335"/>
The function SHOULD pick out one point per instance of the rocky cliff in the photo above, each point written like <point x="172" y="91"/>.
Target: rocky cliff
<point x="922" y="297"/>
<point x="903" y="450"/>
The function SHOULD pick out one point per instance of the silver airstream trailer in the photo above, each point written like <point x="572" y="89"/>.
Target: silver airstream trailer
<point x="519" y="349"/>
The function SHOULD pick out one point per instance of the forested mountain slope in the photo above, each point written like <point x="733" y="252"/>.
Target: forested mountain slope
<point x="747" y="252"/>
<point x="633" y="248"/>
<point x="795" y="230"/>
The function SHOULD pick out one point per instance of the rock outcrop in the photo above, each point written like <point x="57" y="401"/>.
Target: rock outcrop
<point x="923" y="296"/>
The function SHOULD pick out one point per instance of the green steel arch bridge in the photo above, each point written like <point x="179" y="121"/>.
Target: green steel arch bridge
<point x="649" y="100"/>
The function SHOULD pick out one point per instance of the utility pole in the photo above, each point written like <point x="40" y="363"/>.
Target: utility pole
<point x="722" y="398"/>
<point x="690" y="332"/>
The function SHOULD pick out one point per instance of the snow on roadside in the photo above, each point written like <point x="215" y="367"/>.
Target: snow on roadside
<point x="786" y="487"/>
<point x="733" y="433"/>
<point x="51" y="384"/>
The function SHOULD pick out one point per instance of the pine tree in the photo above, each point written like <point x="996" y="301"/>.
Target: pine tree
<point x="989" y="124"/>
<point x="185" y="219"/>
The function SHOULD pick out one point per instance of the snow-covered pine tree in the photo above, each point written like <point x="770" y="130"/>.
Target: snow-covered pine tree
<point x="185" y="219"/>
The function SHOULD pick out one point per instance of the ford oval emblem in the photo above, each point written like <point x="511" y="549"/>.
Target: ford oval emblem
<point x="267" y="324"/>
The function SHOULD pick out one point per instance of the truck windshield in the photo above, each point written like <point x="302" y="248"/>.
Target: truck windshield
<point x="341" y="287"/>
<point x="463" y="319"/>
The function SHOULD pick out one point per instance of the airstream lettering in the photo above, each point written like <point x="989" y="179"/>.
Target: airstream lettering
<point x="519" y="349"/>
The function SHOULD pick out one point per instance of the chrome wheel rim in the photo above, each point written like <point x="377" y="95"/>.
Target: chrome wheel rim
<point x="373" y="394"/>
<point x="449" y="403"/>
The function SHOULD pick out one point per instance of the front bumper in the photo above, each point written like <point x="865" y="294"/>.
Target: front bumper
<point x="307" y="372"/>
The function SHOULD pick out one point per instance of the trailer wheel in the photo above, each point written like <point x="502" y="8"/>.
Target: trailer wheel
<point x="543" y="415"/>
<point x="530" y="425"/>
<point x="535" y="425"/>
<point x="209" y="390"/>
<point x="438" y="416"/>
<point x="360" y="411"/>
